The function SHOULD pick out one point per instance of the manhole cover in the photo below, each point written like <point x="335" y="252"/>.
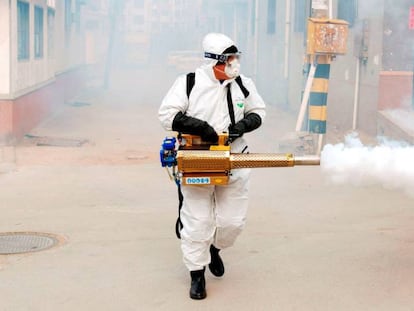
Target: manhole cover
<point x="25" y="242"/>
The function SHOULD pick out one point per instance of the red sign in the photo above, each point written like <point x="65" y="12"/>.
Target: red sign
<point x="411" y="18"/>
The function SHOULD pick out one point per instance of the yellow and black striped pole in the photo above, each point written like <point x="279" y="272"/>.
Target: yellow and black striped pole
<point x="319" y="96"/>
<point x="325" y="39"/>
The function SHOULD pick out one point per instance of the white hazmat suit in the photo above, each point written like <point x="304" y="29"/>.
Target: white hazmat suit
<point x="212" y="214"/>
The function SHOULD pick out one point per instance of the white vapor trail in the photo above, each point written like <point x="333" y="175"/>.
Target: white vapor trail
<point x="390" y="164"/>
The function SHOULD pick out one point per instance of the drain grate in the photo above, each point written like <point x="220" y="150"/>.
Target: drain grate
<point x="25" y="242"/>
<point x="56" y="141"/>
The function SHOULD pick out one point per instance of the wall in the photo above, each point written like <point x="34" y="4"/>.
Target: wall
<point x="4" y="49"/>
<point x="32" y="89"/>
<point x="396" y="79"/>
<point x="343" y="75"/>
<point x="395" y="90"/>
<point x="26" y="74"/>
<point x="71" y="55"/>
<point x="296" y="65"/>
<point x="271" y="56"/>
<point x="340" y="104"/>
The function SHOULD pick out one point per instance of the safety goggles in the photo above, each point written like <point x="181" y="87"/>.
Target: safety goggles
<point x="222" y="58"/>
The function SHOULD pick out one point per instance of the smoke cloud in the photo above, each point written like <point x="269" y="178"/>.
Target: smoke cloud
<point x="390" y="164"/>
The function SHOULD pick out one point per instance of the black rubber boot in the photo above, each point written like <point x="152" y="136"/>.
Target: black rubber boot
<point x="198" y="285"/>
<point x="216" y="265"/>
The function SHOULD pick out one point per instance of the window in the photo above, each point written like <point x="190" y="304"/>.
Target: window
<point x="77" y="17"/>
<point x="347" y="10"/>
<point x="300" y="16"/>
<point x="68" y="21"/>
<point x="139" y="20"/>
<point x="139" y="3"/>
<point x="253" y="14"/>
<point x="271" y="16"/>
<point x="50" y="32"/>
<point x="23" y="36"/>
<point x="38" y="32"/>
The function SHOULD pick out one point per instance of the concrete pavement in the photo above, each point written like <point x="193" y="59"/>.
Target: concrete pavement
<point x="307" y="245"/>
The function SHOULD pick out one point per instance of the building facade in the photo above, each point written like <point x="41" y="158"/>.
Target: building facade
<point x="44" y="45"/>
<point x="41" y="53"/>
<point x="375" y="74"/>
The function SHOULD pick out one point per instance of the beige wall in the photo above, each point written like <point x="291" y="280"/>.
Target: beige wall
<point x="4" y="48"/>
<point x="28" y="75"/>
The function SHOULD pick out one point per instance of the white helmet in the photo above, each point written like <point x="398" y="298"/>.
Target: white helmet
<point x="214" y="44"/>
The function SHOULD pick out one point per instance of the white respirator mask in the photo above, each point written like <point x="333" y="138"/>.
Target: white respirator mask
<point x="232" y="68"/>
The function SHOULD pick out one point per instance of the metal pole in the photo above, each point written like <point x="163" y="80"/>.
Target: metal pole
<point x="321" y="136"/>
<point x="356" y="95"/>
<point x="256" y="39"/>
<point x="330" y="10"/>
<point x="306" y="95"/>
<point x="114" y="15"/>
<point x="320" y="142"/>
<point x="287" y="40"/>
<point x="412" y="92"/>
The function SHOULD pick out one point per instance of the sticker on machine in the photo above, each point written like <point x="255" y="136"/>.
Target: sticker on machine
<point x="197" y="180"/>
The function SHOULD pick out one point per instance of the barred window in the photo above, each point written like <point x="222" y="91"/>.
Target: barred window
<point x="38" y="32"/>
<point x="23" y="30"/>
<point x="271" y="16"/>
<point x="50" y="32"/>
<point x="68" y="21"/>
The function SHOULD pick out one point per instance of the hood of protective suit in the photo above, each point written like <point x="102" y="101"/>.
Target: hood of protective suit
<point x="216" y="43"/>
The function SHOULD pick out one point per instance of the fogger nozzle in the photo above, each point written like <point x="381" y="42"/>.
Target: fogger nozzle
<point x="255" y="160"/>
<point x="307" y="160"/>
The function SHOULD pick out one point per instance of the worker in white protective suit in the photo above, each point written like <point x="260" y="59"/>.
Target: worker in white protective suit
<point x="213" y="216"/>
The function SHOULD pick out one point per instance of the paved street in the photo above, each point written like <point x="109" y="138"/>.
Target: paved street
<point x="308" y="245"/>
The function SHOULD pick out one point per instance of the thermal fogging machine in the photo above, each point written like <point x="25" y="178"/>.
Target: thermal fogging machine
<point x="195" y="162"/>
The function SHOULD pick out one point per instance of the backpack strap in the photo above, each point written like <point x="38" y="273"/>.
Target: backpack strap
<point x="178" y="223"/>
<point x="230" y="105"/>
<point x="245" y="91"/>
<point x="190" y="82"/>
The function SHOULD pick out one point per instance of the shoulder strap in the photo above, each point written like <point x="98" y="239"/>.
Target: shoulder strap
<point x="190" y="82"/>
<point x="245" y="91"/>
<point x="230" y="105"/>
<point x="178" y="223"/>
